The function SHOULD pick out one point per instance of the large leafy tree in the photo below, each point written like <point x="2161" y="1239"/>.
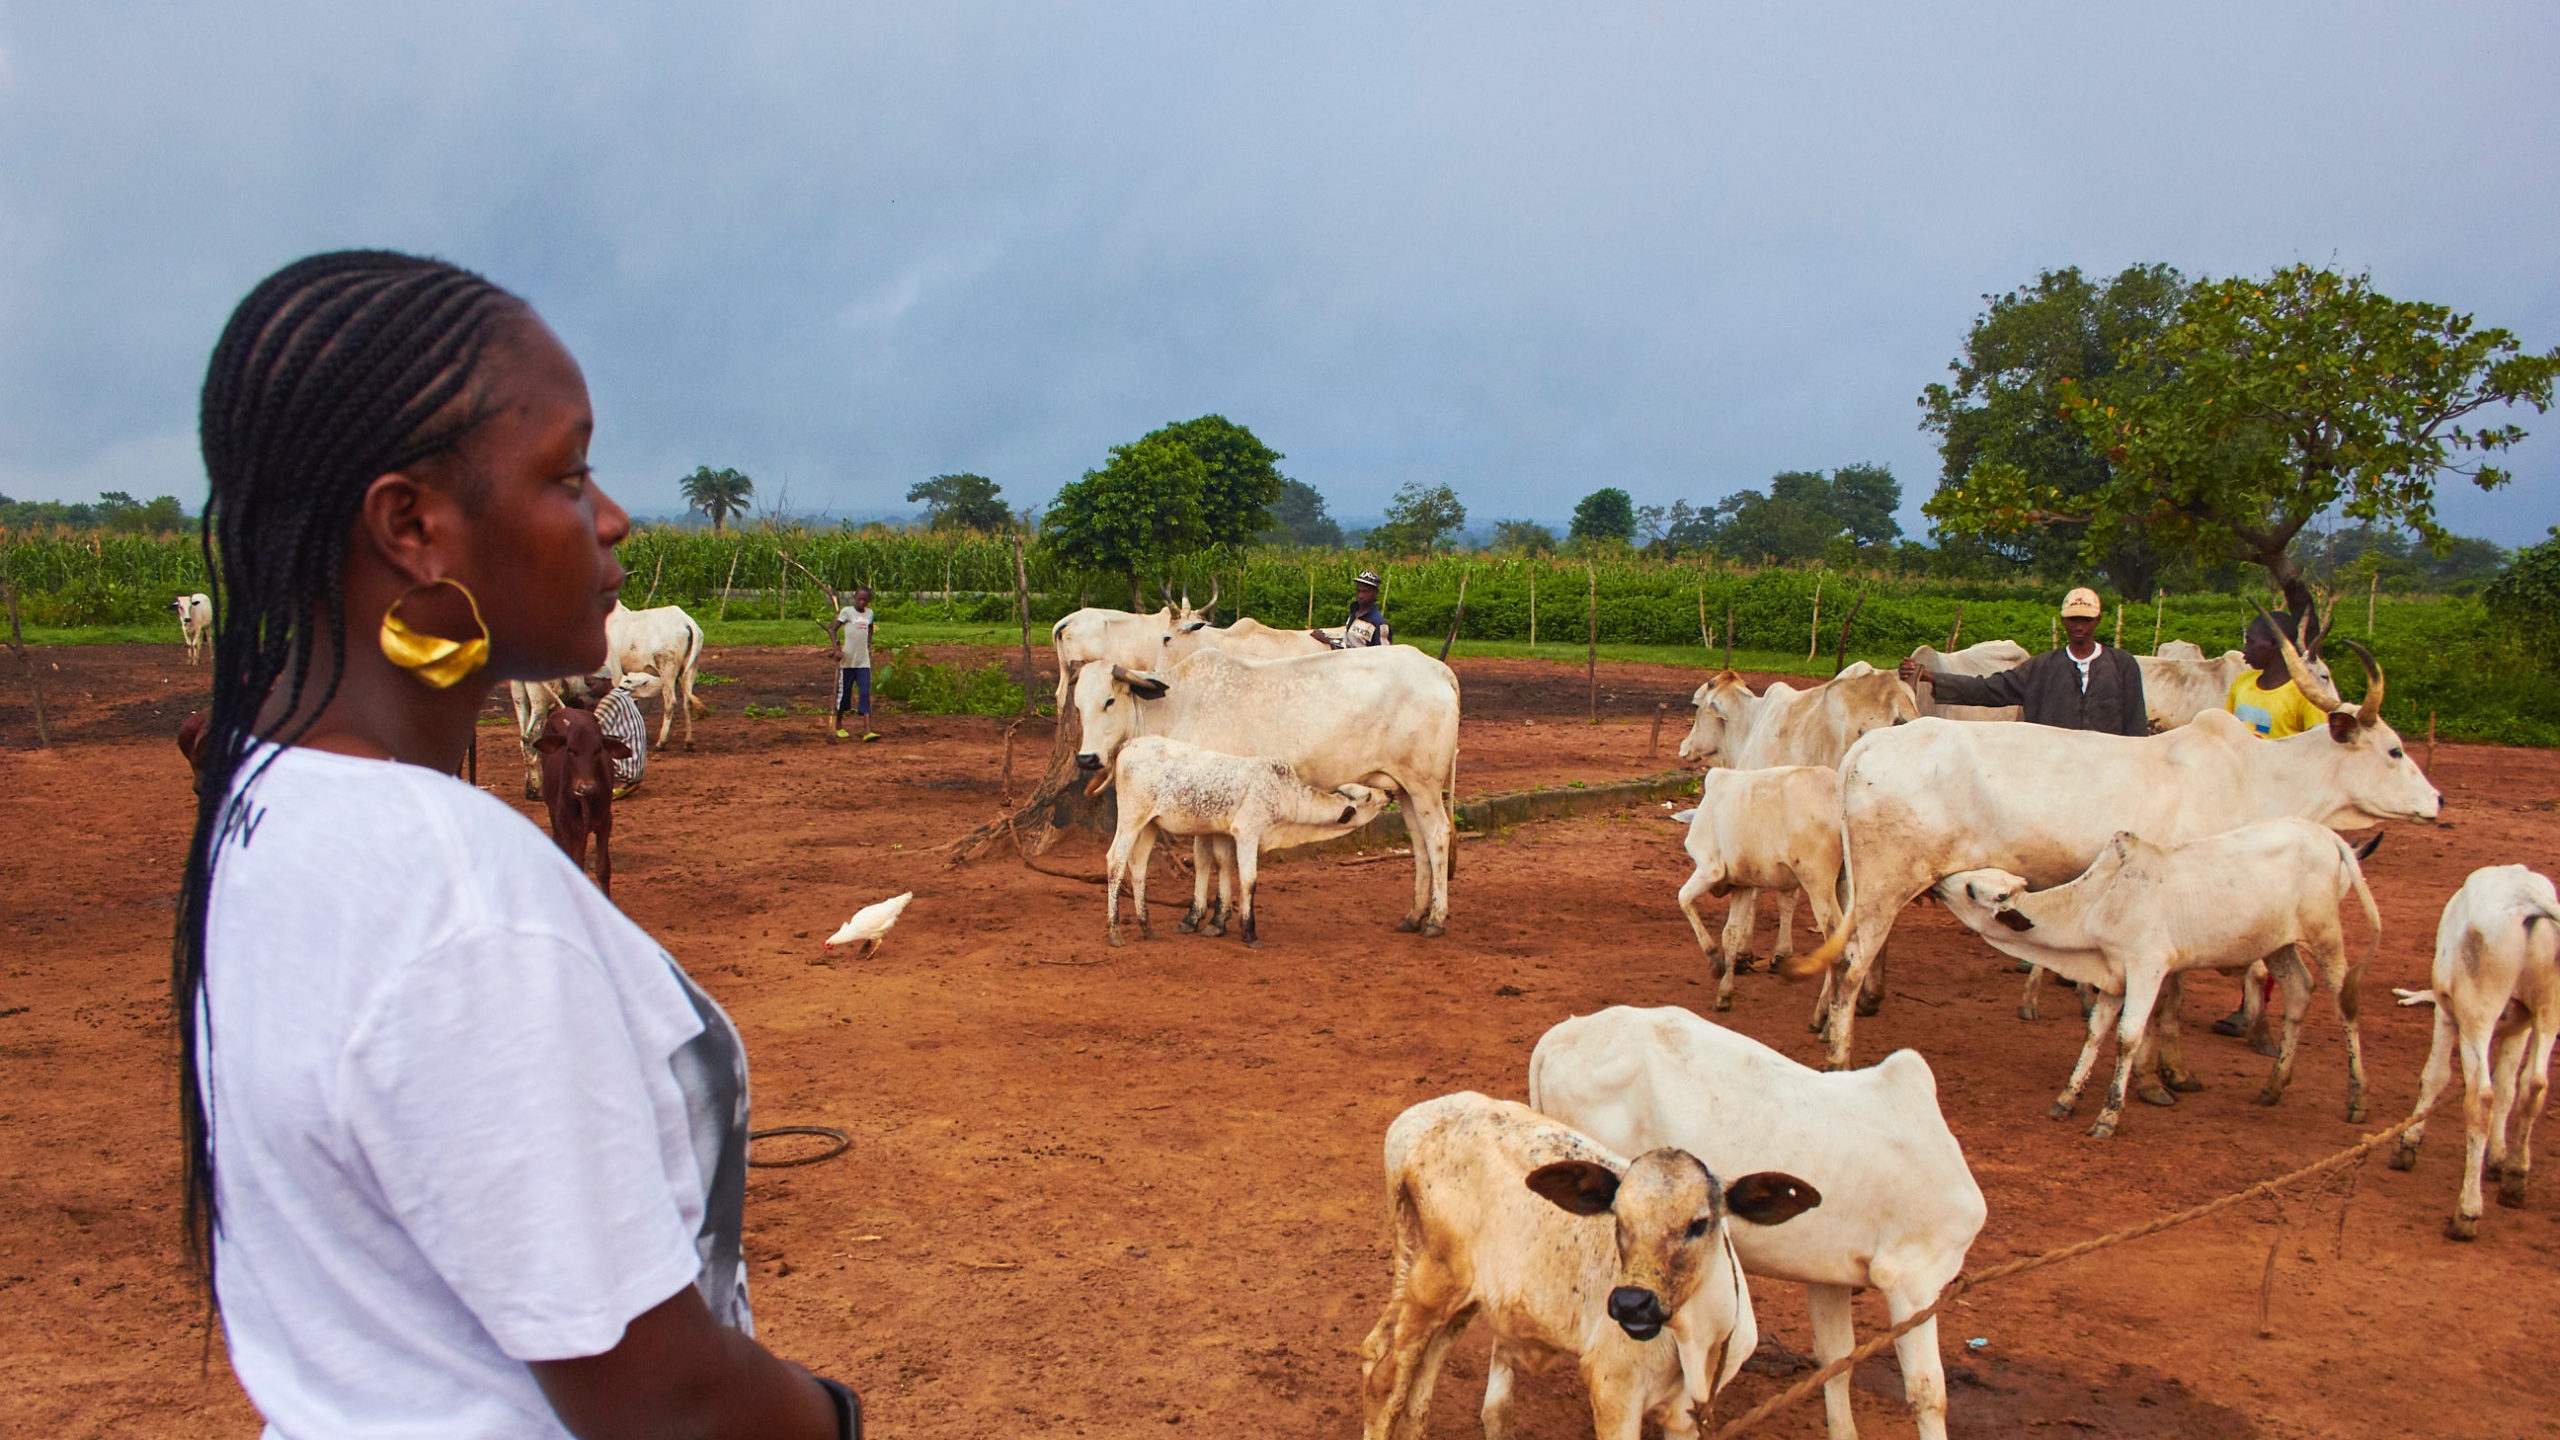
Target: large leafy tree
<point x="1803" y="516"/>
<point x="1242" y="478"/>
<point x="1525" y="536"/>
<point x="1608" y="513"/>
<point x="2268" y="402"/>
<point x="2004" y="409"/>
<point x="1420" y="518"/>
<point x="962" y="502"/>
<point x="719" y="494"/>
<point x="1299" y="517"/>
<point x="2527" y="597"/>
<point x="1133" y="514"/>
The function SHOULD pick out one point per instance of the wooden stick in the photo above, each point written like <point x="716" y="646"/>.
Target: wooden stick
<point x="1813" y="633"/>
<point x="1591" y="666"/>
<point x="661" y="569"/>
<point x="1728" y="637"/>
<point x="1706" y="637"/>
<point x="1454" y="617"/>
<point x="2431" y="715"/>
<point x="1311" y="599"/>
<point x="725" y="584"/>
<point x="35" y="679"/>
<point x="2053" y="625"/>
<point x="1956" y="629"/>
<point x="2371" y="592"/>
<point x="2159" y="611"/>
<point x="1022" y="597"/>
<point x="782" y="602"/>
<point x="1533" y="610"/>
<point x="2119" y="627"/>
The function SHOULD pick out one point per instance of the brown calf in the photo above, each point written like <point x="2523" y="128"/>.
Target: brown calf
<point x="577" y="783"/>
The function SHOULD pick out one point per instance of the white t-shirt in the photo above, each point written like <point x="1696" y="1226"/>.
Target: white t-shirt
<point x="854" y="649"/>
<point x="465" y="1113"/>
<point x="2084" y="664"/>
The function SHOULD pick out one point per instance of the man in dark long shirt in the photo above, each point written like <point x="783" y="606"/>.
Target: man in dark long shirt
<point x="2085" y="685"/>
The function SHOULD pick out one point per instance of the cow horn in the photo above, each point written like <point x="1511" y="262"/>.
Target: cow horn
<point x="2299" y="668"/>
<point x="1212" y="607"/>
<point x="1122" y="674"/>
<point x="2370" y="712"/>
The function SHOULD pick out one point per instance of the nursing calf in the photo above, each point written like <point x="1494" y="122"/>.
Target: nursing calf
<point x="1901" y="1207"/>
<point x="1564" y="1251"/>
<point x="2142" y="914"/>
<point x="2496" y="989"/>
<point x="1241" y="804"/>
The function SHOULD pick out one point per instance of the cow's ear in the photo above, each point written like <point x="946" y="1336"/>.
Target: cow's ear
<point x="1770" y="1197"/>
<point x="2342" y="726"/>
<point x="1584" y="1187"/>
<point x="2013" y="920"/>
<point x="1347" y="812"/>
<point x="1146" y="687"/>
<point x="616" y="748"/>
<point x="549" y="744"/>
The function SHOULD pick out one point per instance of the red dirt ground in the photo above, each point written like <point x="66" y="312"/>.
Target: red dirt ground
<point x="1103" y="1192"/>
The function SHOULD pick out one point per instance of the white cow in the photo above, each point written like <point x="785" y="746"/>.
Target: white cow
<point x="1503" y="1218"/>
<point x="1247" y="639"/>
<point x="1984" y="658"/>
<point x="2143" y="913"/>
<point x="1385" y="716"/>
<point x="1117" y="637"/>
<point x="1923" y="801"/>
<point x="663" y="641"/>
<point x="1777" y="830"/>
<point x="1735" y="729"/>
<point x="2178" y="688"/>
<point x="1901" y="1208"/>
<point x="195" y="622"/>
<point x="1242" y="804"/>
<point x="2496" y="989"/>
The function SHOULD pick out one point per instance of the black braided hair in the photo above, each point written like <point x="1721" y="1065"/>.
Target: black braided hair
<point x="336" y="369"/>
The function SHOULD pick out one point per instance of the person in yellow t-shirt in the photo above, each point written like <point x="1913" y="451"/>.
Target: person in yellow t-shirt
<point x="2267" y="701"/>
<point x="2265" y="698"/>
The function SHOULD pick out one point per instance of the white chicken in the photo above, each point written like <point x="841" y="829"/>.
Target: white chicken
<point x="870" y="924"/>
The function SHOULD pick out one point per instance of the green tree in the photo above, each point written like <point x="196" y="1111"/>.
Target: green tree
<point x="1527" y="537"/>
<point x="720" y="494"/>
<point x="2268" y="402"/>
<point x="2005" y="407"/>
<point x="1605" y="514"/>
<point x="1299" y="517"/>
<point x="962" y="502"/>
<point x="1419" y="518"/>
<point x="1806" y="515"/>
<point x="1243" y="477"/>
<point x="1134" y="513"/>
<point x="2527" y="597"/>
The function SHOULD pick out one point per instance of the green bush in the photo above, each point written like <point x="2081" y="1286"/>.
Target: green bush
<point x="929" y="689"/>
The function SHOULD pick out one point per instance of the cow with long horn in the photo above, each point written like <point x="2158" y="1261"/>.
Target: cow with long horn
<point x="1935" y="797"/>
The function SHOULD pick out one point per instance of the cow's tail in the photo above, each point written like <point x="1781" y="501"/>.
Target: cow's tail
<point x="694" y="641"/>
<point x="1453" y="812"/>
<point x="2372" y="920"/>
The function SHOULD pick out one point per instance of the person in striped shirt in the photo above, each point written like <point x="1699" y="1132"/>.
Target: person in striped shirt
<point x="618" y="715"/>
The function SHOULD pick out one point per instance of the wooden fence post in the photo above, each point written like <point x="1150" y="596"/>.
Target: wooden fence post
<point x="725" y="584"/>
<point x="659" y="569"/>
<point x="1533" y="609"/>
<point x="1591" y="665"/>
<point x="782" y="578"/>
<point x="2371" y="592"/>
<point x="35" y="680"/>
<point x="2159" y="611"/>
<point x="1022" y="598"/>
<point x="1813" y="633"/>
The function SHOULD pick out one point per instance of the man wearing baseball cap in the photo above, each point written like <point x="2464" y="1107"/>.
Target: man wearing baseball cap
<point x="1367" y="625"/>
<point x="2085" y="685"/>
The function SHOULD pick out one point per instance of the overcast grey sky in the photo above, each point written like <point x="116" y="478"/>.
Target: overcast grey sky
<point x="1524" y="249"/>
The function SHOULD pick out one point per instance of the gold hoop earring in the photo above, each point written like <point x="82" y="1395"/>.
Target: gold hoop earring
<point x="440" y="662"/>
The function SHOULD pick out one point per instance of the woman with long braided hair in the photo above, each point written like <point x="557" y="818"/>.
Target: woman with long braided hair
<point x="465" y="1150"/>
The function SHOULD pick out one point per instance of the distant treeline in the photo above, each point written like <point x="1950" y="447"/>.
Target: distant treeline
<point x="114" y="512"/>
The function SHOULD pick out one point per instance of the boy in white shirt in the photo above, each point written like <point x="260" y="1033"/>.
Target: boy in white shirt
<point x="850" y="631"/>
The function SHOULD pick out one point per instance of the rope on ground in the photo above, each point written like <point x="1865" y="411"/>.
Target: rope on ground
<point x="843" y="1142"/>
<point x="1964" y="1284"/>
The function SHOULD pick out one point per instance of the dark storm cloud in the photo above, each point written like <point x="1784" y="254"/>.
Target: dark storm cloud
<point x="1517" y="249"/>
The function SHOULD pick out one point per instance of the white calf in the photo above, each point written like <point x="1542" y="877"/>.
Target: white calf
<point x="2497" y="998"/>
<point x="1240" y="804"/>
<point x="1776" y="829"/>
<point x="195" y="621"/>
<point x="2143" y="913"/>
<point x="1901" y="1208"/>
<point x="1496" y="1216"/>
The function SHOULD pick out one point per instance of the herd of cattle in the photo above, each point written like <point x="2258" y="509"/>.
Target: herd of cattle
<point x="2118" y="863"/>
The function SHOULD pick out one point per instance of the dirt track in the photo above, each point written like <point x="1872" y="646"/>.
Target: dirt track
<point x="1102" y="1192"/>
